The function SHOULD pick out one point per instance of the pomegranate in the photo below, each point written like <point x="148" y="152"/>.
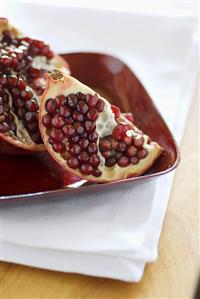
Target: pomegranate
<point x="88" y="137"/>
<point x="23" y="63"/>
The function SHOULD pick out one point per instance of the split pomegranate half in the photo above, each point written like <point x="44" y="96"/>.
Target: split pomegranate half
<point x="23" y="64"/>
<point x="89" y="137"/>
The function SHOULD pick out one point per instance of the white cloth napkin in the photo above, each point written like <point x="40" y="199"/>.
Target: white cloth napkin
<point x="110" y="233"/>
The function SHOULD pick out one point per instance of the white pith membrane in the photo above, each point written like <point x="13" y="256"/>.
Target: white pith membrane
<point x="60" y="84"/>
<point x="22" y="139"/>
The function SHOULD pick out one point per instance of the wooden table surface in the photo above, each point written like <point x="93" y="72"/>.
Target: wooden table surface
<point x="173" y="275"/>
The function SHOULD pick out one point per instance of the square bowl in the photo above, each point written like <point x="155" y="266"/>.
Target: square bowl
<point x="37" y="175"/>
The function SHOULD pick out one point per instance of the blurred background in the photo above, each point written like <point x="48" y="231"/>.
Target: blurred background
<point x="166" y="7"/>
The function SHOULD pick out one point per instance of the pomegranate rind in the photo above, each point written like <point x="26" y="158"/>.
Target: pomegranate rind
<point x="5" y="25"/>
<point x="60" y="84"/>
<point x="59" y="63"/>
<point x="8" y="144"/>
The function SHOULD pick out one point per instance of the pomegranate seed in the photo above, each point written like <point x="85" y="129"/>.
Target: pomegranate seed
<point x="14" y="61"/>
<point x="92" y="148"/>
<point x="49" y="55"/>
<point x="75" y="150"/>
<point x="92" y="100"/>
<point x="59" y="147"/>
<point x="94" y="160"/>
<point x="80" y="95"/>
<point x="46" y="120"/>
<point x="4" y="128"/>
<point x="129" y="116"/>
<point x="118" y="155"/>
<point x="93" y="136"/>
<point x="84" y="143"/>
<point x="107" y="154"/>
<point x="56" y="135"/>
<point x="92" y="114"/>
<point x="110" y="161"/>
<point x="123" y="161"/>
<point x="84" y="135"/>
<point x="21" y="84"/>
<point x="104" y="144"/>
<point x="128" y="140"/>
<point x="3" y="81"/>
<point x="121" y="146"/>
<point x="134" y="160"/>
<point x="115" y="110"/>
<point x="29" y="116"/>
<point x="5" y="61"/>
<point x="8" y="117"/>
<point x="26" y="94"/>
<point x="37" y="43"/>
<point x="78" y="127"/>
<point x="45" y="50"/>
<point x="90" y="126"/>
<point x="60" y="100"/>
<point x="58" y="122"/>
<point x="72" y="100"/>
<point x="17" y="68"/>
<point x="69" y="120"/>
<point x="78" y="116"/>
<point x="100" y="106"/>
<point x="5" y="98"/>
<point x="138" y="142"/>
<point x="74" y="138"/>
<point x="6" y="107"/>
<point x="64" y="111"/>
<point x="120" y="131"/>
<point x="142" y="153"/>
<point x="83" y="157"/>
<point x="32" y="106"/>
<point x="73" y="163"/>
<point x="131" y="151"/>
<point x="34" y="51"/>
<point x="35" y="73"/>
<point x="51" y="106"/>
<point x="12" y="81"/>
<point x="112" y="141"/>
<point x="86" y="169"/>
<point x="96" y="172"/>
<point x="68" y="130"/>
<point x="82" y="107"/>
<point x="19" y="103"/>
<point x="15" y="92"/>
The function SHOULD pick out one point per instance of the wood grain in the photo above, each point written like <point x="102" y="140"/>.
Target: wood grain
<point x="173" y="275"/>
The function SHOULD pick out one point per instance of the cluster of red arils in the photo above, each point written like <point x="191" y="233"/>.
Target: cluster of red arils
<point x="23" y="64"/>
<point x="89" y="137"/>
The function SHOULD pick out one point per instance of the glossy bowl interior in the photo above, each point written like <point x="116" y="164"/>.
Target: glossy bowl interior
<point x="29" y="176"/>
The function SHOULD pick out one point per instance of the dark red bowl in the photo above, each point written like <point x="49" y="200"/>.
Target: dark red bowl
<point x="37" y="175"/>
